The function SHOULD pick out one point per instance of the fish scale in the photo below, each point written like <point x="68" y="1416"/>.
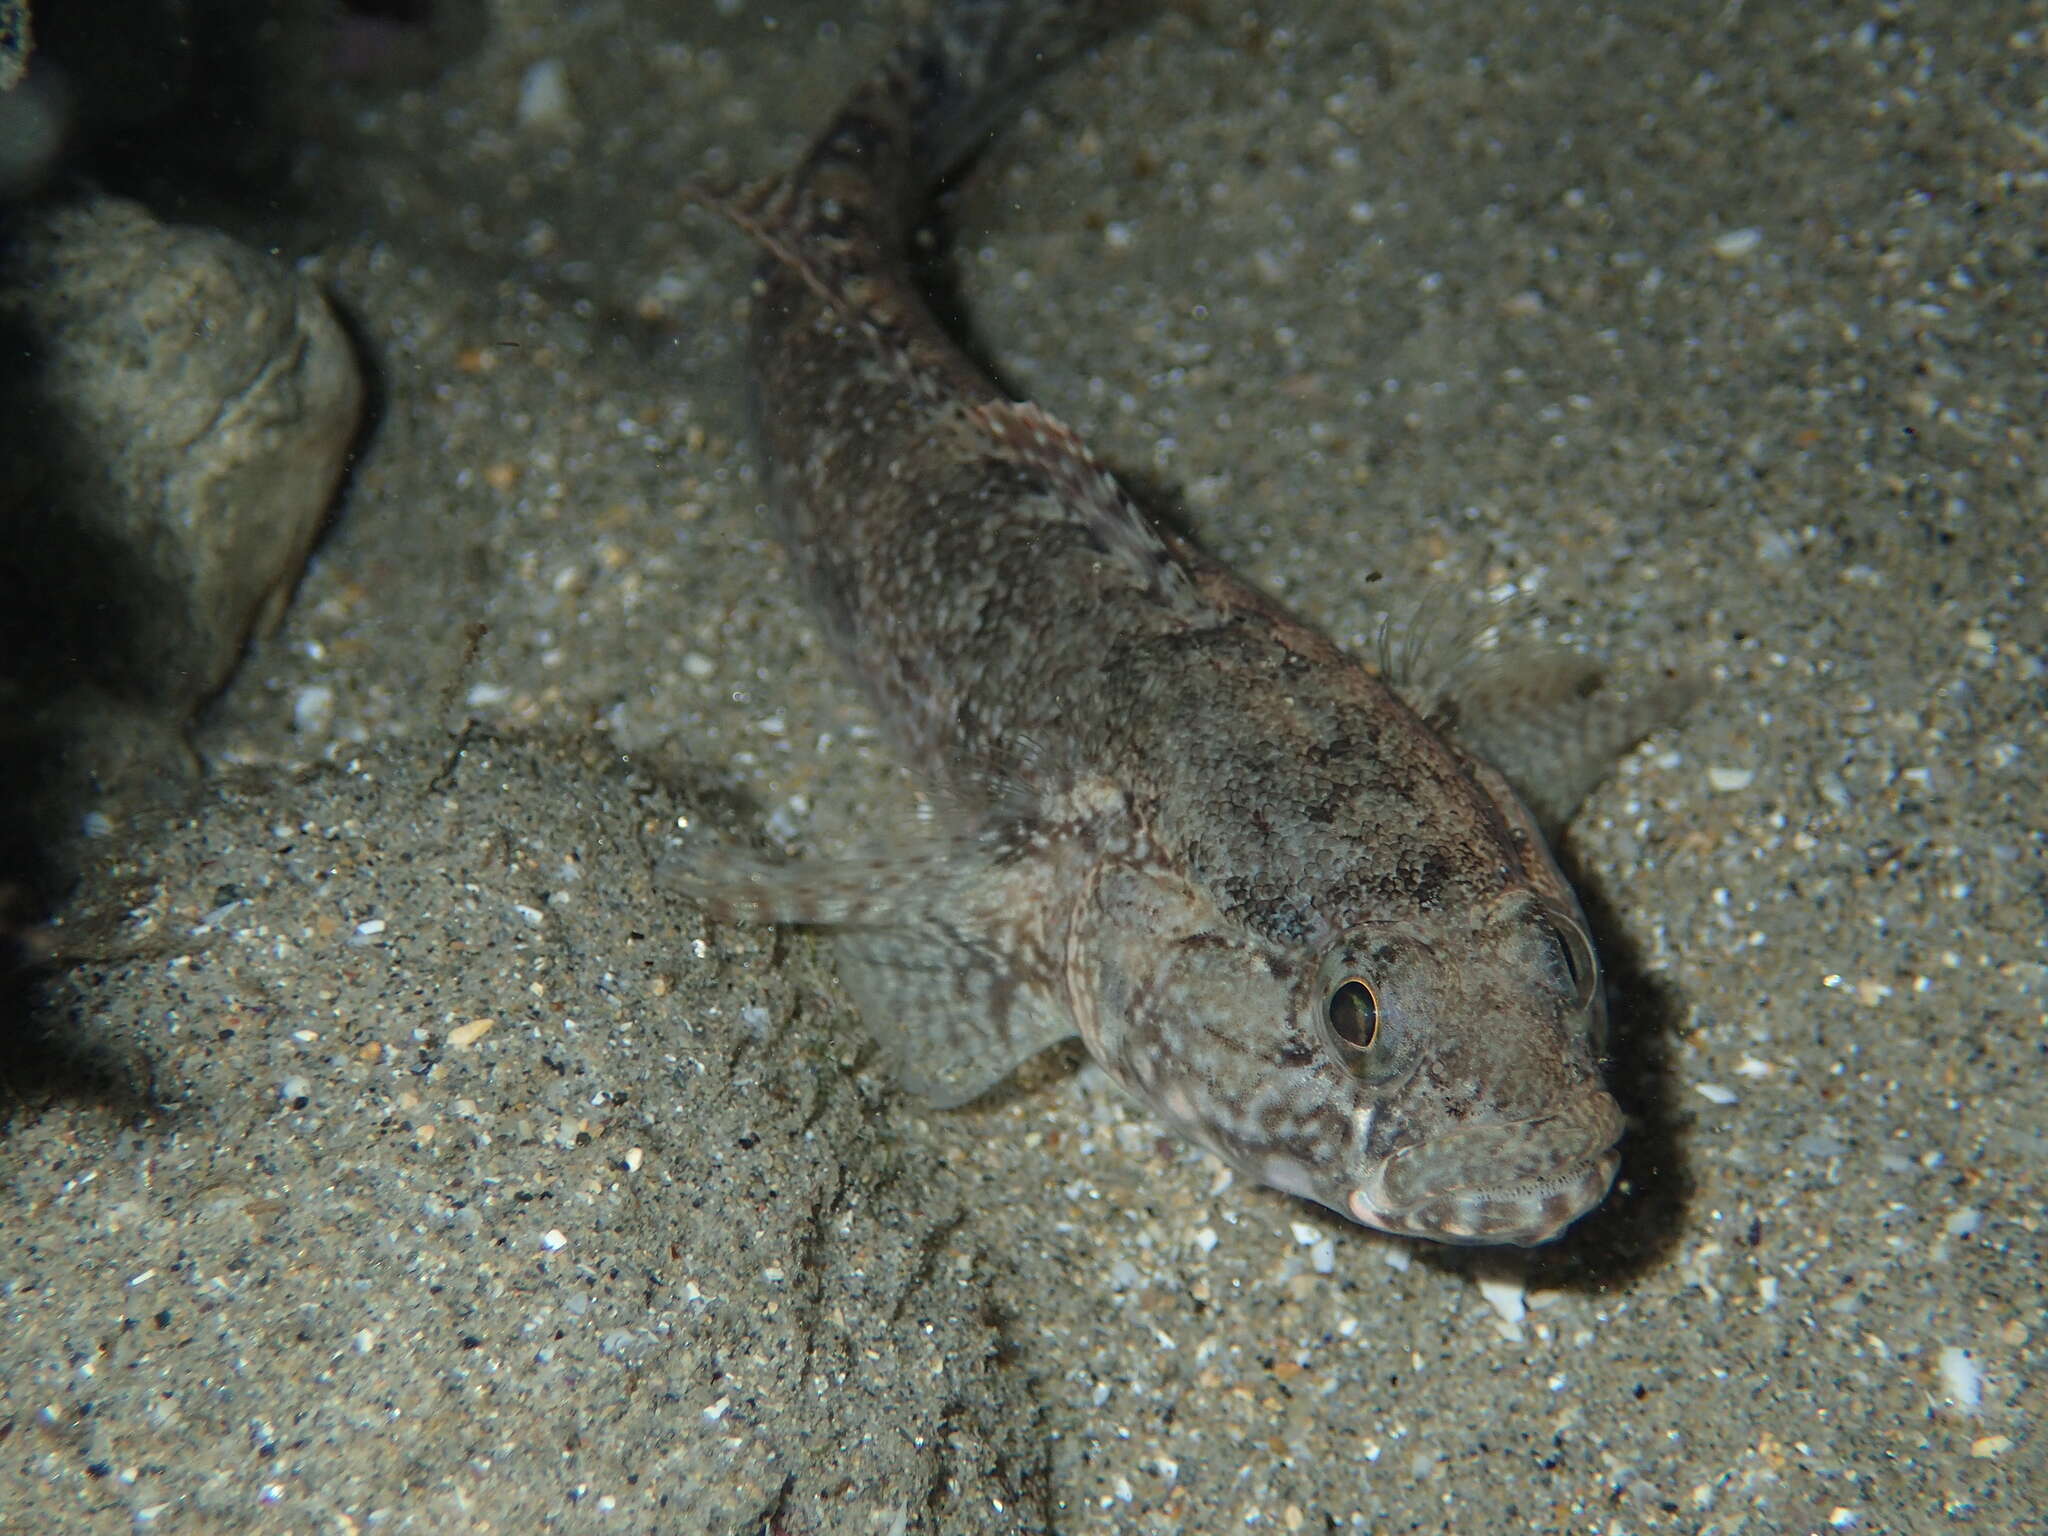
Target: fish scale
<point x="1308" y="927"/>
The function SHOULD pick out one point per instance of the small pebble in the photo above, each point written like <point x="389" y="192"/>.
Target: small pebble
<point x="1834" y="789"/>
<point x="1714" y="1093"/>
<point x="1725" y="780"/>
<point x="553" y="1240"/>
<point x="1508" y="1297"/>
<point x="1962" y="1383"/>
<point x="544" y="97"/>
<point x="1734" y="244"/>
<point x="465" y="1035"/>
<point x="312" y="709"/>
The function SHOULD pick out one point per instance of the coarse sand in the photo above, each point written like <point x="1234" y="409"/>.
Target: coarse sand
<point x="403" y="1155"/>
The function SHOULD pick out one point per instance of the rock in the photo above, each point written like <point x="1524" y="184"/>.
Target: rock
<point x="188" y="415"/>
<point x="15" y="42"/>
<point x="175" y="414"/>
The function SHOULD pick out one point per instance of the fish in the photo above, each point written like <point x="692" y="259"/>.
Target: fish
<point x="1289" y="901"/>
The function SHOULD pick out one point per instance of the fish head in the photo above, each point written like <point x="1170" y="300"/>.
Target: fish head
<point x="1473" y="1048"/>
<point x="1434" y="1076"/>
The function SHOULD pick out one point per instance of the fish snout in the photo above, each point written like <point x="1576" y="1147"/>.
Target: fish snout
<point x="1521" y="1182"/>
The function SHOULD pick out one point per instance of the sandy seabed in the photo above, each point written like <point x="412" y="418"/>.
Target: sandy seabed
<point x="445" y="1172"/>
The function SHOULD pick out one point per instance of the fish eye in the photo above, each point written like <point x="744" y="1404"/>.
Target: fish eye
<point x="1353" y="1014"/>
<point x="1581" y="969"/>
<point x="1571" y="961"/>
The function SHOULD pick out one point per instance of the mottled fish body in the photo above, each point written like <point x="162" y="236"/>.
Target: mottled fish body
<point x="1309" y="928"/>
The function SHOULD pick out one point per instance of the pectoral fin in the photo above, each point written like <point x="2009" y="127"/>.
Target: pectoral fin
<point x="952" y="952"/>
<point x="954" y="1007"/>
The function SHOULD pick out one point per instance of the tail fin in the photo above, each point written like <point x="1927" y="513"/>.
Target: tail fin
<point x="845" y="214"/>
<point x="936" y="99"/>
<point x="964" y="72"/>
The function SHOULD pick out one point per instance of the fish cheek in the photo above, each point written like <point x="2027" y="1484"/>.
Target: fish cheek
<point x="1167" y="1001"/>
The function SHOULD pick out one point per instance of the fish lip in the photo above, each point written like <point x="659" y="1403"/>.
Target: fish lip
<point x="1366" y="1214"/>
<point x="1426" y="1190"/>
<point x="1521" y="1215"/>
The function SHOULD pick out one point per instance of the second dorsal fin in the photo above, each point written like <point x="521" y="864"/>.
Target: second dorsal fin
<point x="1046" y="448"/>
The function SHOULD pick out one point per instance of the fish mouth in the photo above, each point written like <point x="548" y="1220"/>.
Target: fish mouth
<point x="1522" y="1182"/>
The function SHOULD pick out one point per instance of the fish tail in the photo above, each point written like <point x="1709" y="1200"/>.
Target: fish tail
<point x="852" y="203"/>
<point x="963" y="74"/>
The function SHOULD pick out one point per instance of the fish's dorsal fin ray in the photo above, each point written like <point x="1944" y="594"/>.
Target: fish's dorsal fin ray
<point x="750" y="209"/>
<point x="760" y="211"/>
<point x="1555" y="723"/>
<point x="1046" y="448"/>
<point x="839" y="271"/>
<point x="1421" y="655"/>
<point x="1551" y="721"/>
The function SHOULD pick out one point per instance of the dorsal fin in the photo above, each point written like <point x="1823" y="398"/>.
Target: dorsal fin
<point x="1045" y="447"/>
<point x="834" y="265"/>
